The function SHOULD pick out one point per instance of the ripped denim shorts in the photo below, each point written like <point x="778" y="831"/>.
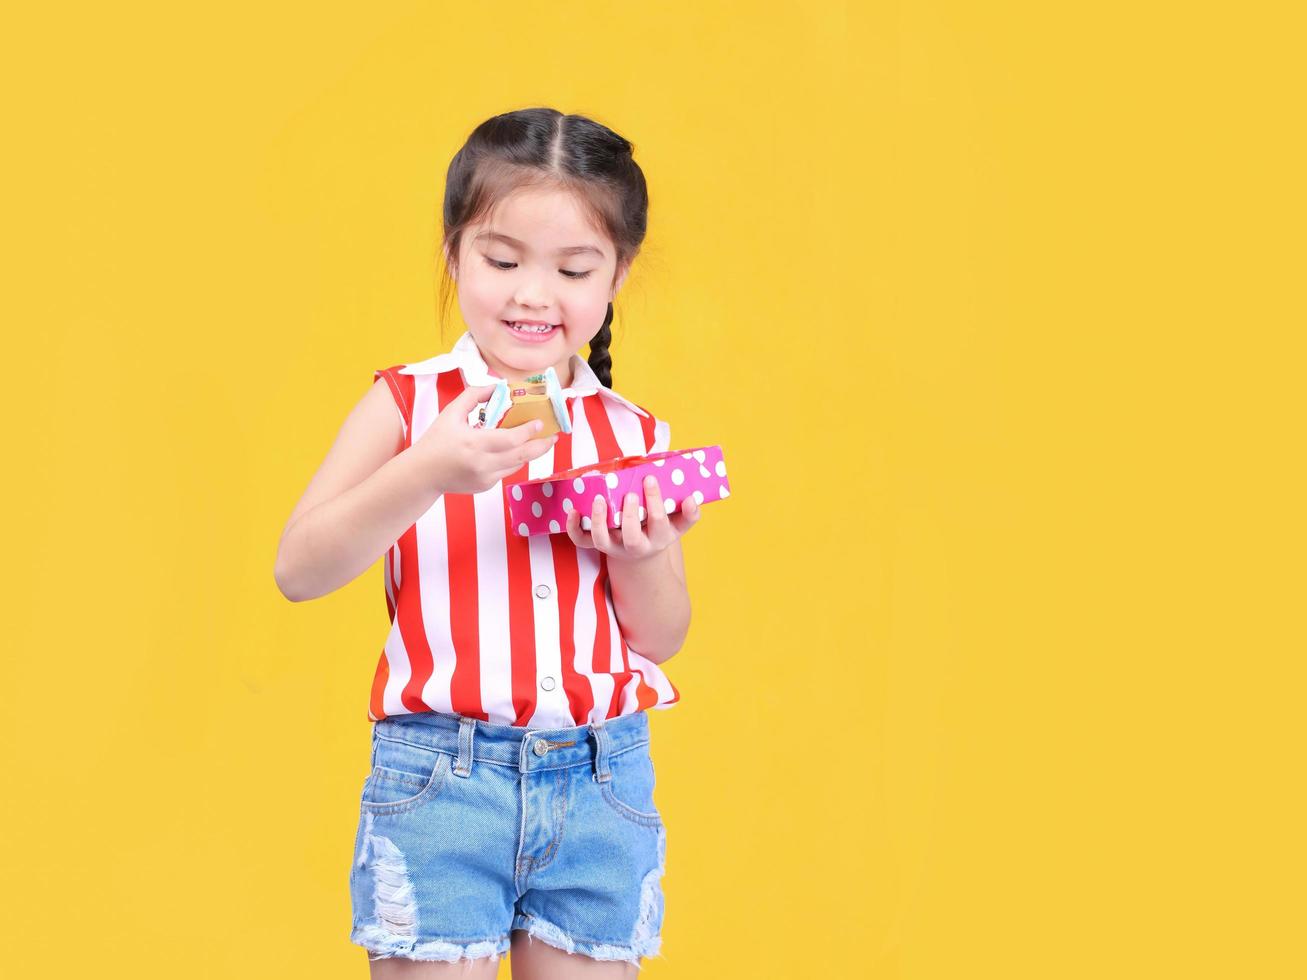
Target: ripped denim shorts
<point x="468" y="831"/>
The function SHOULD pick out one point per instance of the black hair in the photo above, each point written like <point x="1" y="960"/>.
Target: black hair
<point x="542" y="146"/>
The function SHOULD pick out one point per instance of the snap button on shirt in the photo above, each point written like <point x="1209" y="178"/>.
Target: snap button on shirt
<point x="541" y="748"/>
<point x="547" y="683"/>
<point x="542" y="591"/>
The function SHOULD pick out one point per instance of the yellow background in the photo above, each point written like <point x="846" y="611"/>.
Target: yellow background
<point x="996" y="661"/>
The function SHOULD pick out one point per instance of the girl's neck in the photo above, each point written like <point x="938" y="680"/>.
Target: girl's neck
<point x="513" y="376"/>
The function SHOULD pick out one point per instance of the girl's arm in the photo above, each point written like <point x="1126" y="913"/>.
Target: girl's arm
<point x="364" y="496"/>
<point x="652" y="601"/>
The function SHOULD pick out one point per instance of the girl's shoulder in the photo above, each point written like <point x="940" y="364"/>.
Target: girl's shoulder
<point x="657" y="431"/>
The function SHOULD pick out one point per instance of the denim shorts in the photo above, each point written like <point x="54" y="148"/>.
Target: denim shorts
<point x="468" y="831"/>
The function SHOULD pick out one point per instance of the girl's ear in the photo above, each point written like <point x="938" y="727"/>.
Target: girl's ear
<point x="621" y="278"/>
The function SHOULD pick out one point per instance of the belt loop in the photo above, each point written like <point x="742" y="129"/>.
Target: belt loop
<point x="602" y="774"/>
<point x="466" y="729"/>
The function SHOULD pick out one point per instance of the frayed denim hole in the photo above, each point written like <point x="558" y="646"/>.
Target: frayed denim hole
<point x="393" y="900"/>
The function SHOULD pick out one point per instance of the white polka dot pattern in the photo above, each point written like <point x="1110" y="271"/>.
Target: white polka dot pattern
<point x="541" y="506"/>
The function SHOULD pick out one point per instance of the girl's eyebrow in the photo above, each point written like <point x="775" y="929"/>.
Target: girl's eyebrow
<point x="569" y="250"/>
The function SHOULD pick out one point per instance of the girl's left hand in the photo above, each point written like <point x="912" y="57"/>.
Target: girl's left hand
<point x="632" y="542"/>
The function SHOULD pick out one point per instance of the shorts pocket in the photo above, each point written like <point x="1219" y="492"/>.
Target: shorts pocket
<point x="404" y="776"/>
<point x="630" y="790"/>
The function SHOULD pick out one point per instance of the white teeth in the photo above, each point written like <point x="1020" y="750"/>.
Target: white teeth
<point x="530" y="329"/>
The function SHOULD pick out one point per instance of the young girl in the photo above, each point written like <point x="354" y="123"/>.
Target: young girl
<point x="510" y="797"/>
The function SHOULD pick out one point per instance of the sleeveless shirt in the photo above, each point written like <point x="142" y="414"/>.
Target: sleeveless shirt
<point x="491" y="625"/>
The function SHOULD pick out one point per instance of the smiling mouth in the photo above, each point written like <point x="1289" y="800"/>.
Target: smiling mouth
<point x="531" y="331"/>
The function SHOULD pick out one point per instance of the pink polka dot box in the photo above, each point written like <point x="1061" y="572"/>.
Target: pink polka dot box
<point x="541" y="506"/>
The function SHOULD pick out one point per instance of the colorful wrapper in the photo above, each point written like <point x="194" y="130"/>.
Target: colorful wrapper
<point x="541" y="506"/>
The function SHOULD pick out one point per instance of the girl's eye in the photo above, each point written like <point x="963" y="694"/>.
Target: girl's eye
<point x="496" y="264"/>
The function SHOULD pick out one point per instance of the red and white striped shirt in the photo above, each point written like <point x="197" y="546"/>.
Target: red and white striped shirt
<point x="488" y="624"/>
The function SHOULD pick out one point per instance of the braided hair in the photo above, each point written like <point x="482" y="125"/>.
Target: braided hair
<point x="600" y="361"/>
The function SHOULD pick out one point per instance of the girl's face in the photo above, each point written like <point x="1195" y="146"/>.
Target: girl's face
<point x="542" y="261"/>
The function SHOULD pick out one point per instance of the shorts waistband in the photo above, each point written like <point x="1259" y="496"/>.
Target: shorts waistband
<point x="471" y="740"/>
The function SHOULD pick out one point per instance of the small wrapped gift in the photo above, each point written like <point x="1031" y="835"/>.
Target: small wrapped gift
<point x="541" y="506"/>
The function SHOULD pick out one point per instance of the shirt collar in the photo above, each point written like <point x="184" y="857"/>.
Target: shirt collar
<point x="466" y="356"/>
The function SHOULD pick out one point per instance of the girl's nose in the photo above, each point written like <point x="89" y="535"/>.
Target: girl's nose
<point x="532" y="294"/>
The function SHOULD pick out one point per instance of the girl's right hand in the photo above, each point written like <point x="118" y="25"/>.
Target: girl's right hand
<point x="462" y="459"/>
